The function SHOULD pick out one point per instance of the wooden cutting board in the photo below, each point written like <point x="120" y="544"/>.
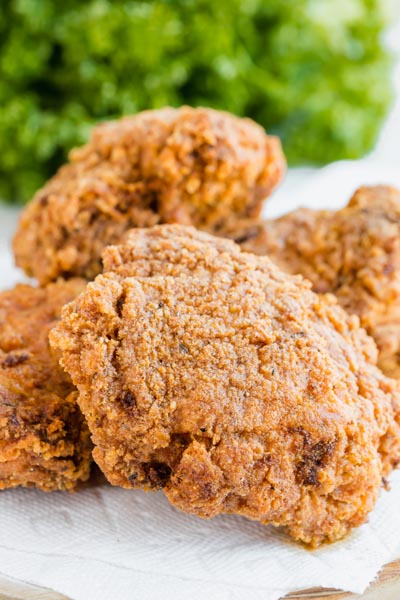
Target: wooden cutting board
<point x="386" y="587"/>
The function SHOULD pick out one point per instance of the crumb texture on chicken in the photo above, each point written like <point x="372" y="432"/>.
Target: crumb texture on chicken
<point x="44" y="439"/>
<point x="210" y="373"/>
<point x="353" y="253"/>
<point x="191" y="166"/>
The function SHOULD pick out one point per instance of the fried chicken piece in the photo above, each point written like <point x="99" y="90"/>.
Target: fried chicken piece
<point x="210" y="373"/>
<point x="190" y="166"/>
<point x="353" y="253"/>
<point x="44" y="439"/>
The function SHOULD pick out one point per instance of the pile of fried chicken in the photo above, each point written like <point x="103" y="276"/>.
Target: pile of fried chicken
<point x="240" y="365"/>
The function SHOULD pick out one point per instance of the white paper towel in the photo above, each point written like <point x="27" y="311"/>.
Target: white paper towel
<point x="104" y="543"/>
<point x="111" y="544"/>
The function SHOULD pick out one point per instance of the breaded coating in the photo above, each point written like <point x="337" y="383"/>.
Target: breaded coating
<point x="210" y="373"/>
<point x="186" y="165"/>
<point x="353" y="253"/>
<point x="44" y="439"/>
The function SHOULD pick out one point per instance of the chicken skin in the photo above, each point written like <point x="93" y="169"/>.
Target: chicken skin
<point x="212" y="374"/>
<point x="191" y="166"/>
<point x="44" y="439"/>
<point x="353" y="253"/>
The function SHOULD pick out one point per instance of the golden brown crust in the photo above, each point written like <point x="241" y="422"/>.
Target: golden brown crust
<point x="210" y="373"/>
<point x="353" y="253"/>
<point x="44" y="440"/>
<point x="192" y="166"/>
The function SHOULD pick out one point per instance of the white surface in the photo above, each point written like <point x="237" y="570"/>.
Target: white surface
<point x="8" y="275"/>
<point x="110" y="544"/>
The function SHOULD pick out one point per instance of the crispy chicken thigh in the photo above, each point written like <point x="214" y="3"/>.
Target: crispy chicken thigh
<point x="212" y="374"/>
<point x="191" y="166"/>
<point x="44" y="439"/>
